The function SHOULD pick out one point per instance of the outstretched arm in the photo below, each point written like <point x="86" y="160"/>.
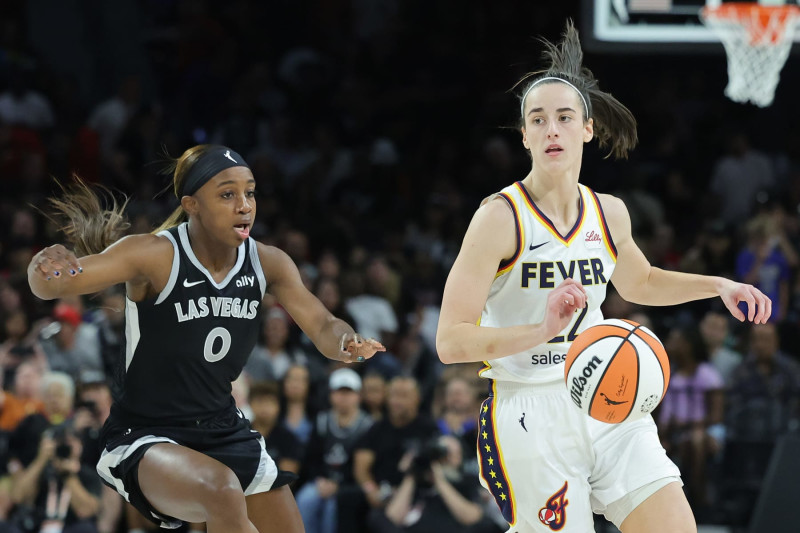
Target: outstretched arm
<point x="333" y="337"/>
<point x="639" y="282"/>
<point x="490" y="238"/>
<point x="141" y="259"/>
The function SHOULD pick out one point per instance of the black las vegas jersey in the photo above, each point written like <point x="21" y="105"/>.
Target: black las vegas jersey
<point x="184" y="347"/>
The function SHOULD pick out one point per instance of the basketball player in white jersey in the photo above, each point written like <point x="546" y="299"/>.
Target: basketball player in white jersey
<point x="531" y="275"/>
<point x="175" y="446"/>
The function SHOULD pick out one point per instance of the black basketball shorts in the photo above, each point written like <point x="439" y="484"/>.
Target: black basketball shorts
<point x="227" y="438"/>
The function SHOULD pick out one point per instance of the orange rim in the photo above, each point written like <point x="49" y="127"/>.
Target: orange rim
<point x="765" y="24"/>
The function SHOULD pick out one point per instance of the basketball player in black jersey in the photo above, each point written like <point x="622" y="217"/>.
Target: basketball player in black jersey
<point x="176" y="447"/>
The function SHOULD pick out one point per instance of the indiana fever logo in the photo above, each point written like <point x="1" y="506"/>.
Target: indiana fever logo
<point x="554" y="514"/>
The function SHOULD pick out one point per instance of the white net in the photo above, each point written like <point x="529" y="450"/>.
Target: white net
<point x="757" y="41"/>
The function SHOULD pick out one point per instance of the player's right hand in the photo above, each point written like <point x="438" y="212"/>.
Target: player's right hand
<point x="354" y="348"/>
<point x="562" y="303"/>
<point x="55" y="261"/>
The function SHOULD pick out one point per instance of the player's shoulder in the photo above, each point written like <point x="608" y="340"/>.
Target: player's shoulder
<point x="495" y="209"/>
<point x="143" y="244"/>
<point x="269" y="252"/>
<point x="609" y="200"/>
<point x="614" y="209"/>
<point x="274" y="261"/>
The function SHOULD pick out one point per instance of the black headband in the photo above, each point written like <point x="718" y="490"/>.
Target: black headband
<point x="212" y="162"/>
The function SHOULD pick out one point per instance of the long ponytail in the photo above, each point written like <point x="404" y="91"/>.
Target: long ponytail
<point x="614" y="124"/>
<point x="88" y="225"/>
<point x="91" y="228"/>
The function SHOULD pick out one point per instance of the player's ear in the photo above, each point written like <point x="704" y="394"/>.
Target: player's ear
<point x="524" y="138"/>
<point x="189" y="204"/>
<point x="588" y="130"/>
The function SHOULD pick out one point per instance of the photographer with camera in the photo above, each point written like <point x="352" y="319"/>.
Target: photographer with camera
<point x="379" y="452"/>
<point x="53" y="491"/>
<point x="92" y="408"/>
<point x="434" y="494"/>
<point x="61" y="492"/>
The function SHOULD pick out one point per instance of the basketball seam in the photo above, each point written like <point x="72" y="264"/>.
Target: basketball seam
<point x="660" y="367"/>
<point x="572" y="363"/>
<point x="568" y="366"/>
<point x="613" y="355"/>
<point x="638" y="377"/>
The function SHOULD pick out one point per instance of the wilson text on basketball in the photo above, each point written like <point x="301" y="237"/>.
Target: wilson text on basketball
<point x="579" y="382"/>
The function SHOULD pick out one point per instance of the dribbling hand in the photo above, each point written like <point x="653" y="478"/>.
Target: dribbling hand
<point x="354" y="348"/>
<point x="562" y="303"/>
<point x="759" y="307"/>
<point x="54" y="261"/>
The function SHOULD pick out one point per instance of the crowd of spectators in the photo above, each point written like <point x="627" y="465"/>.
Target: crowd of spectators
<point x="374" y="128"/>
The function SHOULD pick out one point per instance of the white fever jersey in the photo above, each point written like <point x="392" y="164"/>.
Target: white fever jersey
<point x="543" y="259"/>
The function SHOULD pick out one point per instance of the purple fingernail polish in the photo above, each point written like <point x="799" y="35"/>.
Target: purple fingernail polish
<point x="72" y="271"/>
<point x="56" y="273"/>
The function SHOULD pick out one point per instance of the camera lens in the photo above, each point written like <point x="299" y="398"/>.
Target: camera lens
<point x="63" y="450"/>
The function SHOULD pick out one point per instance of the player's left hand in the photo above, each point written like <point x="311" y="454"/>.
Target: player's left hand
<point x="759" y="307"/>
<point x="354" y="348"/>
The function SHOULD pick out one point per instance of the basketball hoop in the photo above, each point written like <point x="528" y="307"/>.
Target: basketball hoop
<point x="757" y="39"/>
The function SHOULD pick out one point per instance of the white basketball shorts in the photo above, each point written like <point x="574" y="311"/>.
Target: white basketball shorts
<point x="549" y="466"/>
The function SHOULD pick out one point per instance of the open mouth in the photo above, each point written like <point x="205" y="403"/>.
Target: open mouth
<point x="553" y="149"/>
<point x="243" y="230"/>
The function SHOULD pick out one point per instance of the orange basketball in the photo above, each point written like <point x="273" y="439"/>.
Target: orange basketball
<point x="617" y="370"/>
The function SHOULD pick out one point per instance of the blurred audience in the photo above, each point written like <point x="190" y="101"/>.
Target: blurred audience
<point x="715" y="329"/>
<point x="282" y="445"/>
<point x="329" y="459"/>
<point x="434" y="494"/>
<point x="764" y="396"/>
<point x="691" y="414"/>
<point x="373" y="396"/>
<point x="372" y="201"/>
<point x="274" y="354"/>
<point x="766" y="263"/>
<point x="297" y="411"/>
<point x="72" y="345"/>
<point x="49" y="483"/>
<point x="404" y="429"/>
<point x="458" y="418"/>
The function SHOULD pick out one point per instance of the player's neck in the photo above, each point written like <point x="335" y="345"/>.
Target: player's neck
<point x="542" y="183"/>
<point x="216" y="257"/>
<point x="556" y="196"/>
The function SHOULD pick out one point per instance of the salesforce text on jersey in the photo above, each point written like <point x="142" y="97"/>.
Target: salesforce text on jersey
<point x="548" y="358"/>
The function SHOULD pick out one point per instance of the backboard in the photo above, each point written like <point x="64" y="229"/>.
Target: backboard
<point x="652" y="26"/>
